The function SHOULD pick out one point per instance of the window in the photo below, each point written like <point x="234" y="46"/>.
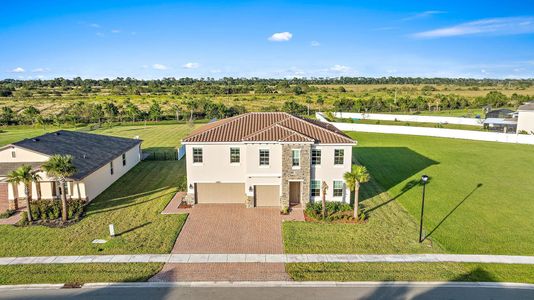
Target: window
<point x="197" y="155"/>
<point x="111" y="168"/>
<point x="57" y="185"/>
<point x="234" y="155"/>
<point x="124" y="159"/>
<point x="264" y="157"/>
<point x="13" y="154"/>
<point x="339" y="156"/>
<point x="295" y="157"/>
<point x="315" y="188"/>
<point x="316" y="157"/>
<point x="338" y="188"/>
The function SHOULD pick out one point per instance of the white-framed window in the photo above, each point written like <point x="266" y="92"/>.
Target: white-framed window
<point x="338" y="188"/>
<point x="13" y="154"/>
<point x="295" y="158"/>
<point x="316" y="157"/>
<point x="315" y="188"/>
<point x="339" y="156"/>
<point x="197" y="155"/>
<point x="66" y="188"/>
<point x="111" y="167"/>
<point x="124" y="159"/>
<point x="235" y="155"/>
<point x="264" y="157"/>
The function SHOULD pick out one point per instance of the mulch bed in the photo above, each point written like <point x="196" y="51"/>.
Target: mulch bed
<point x="345" y="217"/>
<point x="184" y="204"/>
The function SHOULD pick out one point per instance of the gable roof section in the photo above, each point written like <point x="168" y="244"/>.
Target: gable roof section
<point x="90" y="151"/>
<point x="268" y="127"/>
<point x="527" y="106"/>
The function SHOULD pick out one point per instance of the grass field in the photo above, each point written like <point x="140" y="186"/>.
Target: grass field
<point x="77" y="273"/>
<point x="420" y="124"/>
<point x="411" y="272"/>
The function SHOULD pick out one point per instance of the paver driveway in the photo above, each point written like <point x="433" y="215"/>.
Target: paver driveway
<point x="231" y="228"/>
<point x="228" y="228"/>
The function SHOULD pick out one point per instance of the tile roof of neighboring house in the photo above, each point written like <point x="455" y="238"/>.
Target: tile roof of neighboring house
<point x="269" y="127"/>
<point x="527" y="106"/>
<point x="90" y="151"/>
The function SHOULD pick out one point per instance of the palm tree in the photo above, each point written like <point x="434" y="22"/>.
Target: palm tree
<point x="354" y="179"/>
<point x="25" y="175"/>
<point x="60" y="167"/>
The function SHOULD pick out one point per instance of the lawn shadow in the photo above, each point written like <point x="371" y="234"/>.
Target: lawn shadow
<point x="390" y="166"/>
<point x="453" y="210"/>
<point x="408" y="186"/>
<point x="133" y="228"/>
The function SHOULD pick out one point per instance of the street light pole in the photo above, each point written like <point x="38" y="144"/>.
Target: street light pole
<point x="424" y="179"/>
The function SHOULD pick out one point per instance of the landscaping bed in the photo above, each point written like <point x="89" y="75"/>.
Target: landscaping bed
<point x="336" y="212"/>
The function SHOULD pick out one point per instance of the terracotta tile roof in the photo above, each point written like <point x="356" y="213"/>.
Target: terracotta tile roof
<point x="269" y="127"/>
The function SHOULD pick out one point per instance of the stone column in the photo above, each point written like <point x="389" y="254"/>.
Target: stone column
<point x="301" y="174"/>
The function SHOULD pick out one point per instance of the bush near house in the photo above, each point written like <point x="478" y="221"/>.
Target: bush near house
<point x="335" y="212"/>
<point x="49" y="210"/>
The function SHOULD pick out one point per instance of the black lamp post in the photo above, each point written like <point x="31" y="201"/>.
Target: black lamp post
<point x="424" y="179"/>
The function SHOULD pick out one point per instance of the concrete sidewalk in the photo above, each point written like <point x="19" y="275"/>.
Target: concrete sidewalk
<point x="268" y="258"/>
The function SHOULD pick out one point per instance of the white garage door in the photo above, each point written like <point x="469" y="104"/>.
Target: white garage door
<point x="220" y="193"/>
<point x="267" y="195"/>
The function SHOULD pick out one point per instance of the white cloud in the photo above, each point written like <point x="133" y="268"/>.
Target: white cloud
<point x="424" y="14"/>
<point x="191" y="65"/>
<point x="39" y="70"/>
<point x="159" y="67"/>
<point x="315" y="44"/>
<point x="18" y="70"/>
<point x="495" y="26"/>
<point x="281" y="37"/>
<point x="94" y="25"/>
<point x="339" y="68"/>
<point x="116" y="31"/>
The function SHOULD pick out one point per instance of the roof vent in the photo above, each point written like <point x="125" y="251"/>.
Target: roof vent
<point x="35" y="139"/>
<point x="84" y="155"/>
<point x="57" y="133"/>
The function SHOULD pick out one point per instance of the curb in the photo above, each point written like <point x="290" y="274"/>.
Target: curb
<point x="287" y="284"/>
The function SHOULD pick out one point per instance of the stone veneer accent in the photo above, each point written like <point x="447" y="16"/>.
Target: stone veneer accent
<point x="288" y="173"/>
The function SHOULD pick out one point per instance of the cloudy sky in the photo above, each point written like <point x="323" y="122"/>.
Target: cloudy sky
<point x="155" y="39"/>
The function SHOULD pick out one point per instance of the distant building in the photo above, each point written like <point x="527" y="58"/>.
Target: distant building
<point x="500" y="113"/>
<point x="525" y="118"/>
<point x="502" y="120"/>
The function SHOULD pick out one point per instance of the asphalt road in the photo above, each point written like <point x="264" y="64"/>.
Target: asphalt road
<point x="272" y="293"/>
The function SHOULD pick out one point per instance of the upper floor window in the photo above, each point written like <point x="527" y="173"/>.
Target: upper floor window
<point x="339" y="156"/>
<point x="295" y="158"/>
<point x="264" y="157"/>
<point x="234" y="155"/>
<point x="111" y="167"/>
<point x="124" y="159"/>
<point x="316" y="157"/>
<point x="197" y="155"/>
<point x="13" y="154"/>
<point x="338" y="188"/>
<point x="315" y="188"/>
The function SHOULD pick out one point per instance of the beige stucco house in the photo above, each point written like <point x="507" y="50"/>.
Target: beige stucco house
<point x="267" y="159"/>
<point x="525" y="118"/>
<point x="100" y="160"/>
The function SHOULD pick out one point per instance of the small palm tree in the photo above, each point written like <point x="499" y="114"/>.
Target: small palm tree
<point x="60" y="167"/>
<point x="25" y="175"/>
<point x="354" y="179"/>
<point x="324" y="187"/>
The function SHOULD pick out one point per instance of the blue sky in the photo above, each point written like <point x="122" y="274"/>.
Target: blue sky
<point x="155" y="39"/>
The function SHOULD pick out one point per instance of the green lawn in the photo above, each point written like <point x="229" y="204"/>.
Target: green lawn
<point x="13" y="134"/>
<point x="77" y="273"/>
<point x="410" y="272"/>
<point x="420" y="124"/>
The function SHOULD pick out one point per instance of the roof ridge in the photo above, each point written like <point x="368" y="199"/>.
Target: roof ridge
<point x="322" y="128"/>
<point x="233" y="119"/>
<point x="296" y="132"/>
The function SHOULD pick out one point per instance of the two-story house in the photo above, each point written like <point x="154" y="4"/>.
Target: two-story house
<point x="267" y="159"/>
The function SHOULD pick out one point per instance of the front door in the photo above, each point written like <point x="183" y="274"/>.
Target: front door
<point x="294" y="193"/>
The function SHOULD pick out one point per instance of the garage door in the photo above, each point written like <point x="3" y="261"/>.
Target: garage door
<point x="220" y="193"/>
<point x="267" y="195"/>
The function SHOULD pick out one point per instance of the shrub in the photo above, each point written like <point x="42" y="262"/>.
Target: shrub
<point x="6" y="214"/>
<point x="48" y="210"/>
<point x="332" y="207"/>
<point x="23" y="218"/>
<point x="182" y="184"/>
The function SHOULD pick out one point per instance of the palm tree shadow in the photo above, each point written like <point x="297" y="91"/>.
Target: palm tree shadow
<point x="453" y="210"/>
<point x="408" y="186"/>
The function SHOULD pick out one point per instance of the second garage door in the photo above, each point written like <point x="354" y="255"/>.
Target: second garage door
<point x="220" y="193"/>
<point x="267" y="195"/>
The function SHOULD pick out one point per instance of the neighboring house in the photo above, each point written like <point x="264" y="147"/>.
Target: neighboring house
<point x="267" y="159"/>
<point x="500" y="113"/>
<point x="502" y="120"/>
<point x="525" y="119"/>
<point x="99" y="159"/>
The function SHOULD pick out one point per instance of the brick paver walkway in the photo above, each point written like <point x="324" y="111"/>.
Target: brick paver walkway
<point x="223" y="229"/>
<point x="231" y="228"/>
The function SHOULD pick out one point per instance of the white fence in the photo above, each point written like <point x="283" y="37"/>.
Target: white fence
<point x="436" y="132"/>
<point x="411" y="118"/>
